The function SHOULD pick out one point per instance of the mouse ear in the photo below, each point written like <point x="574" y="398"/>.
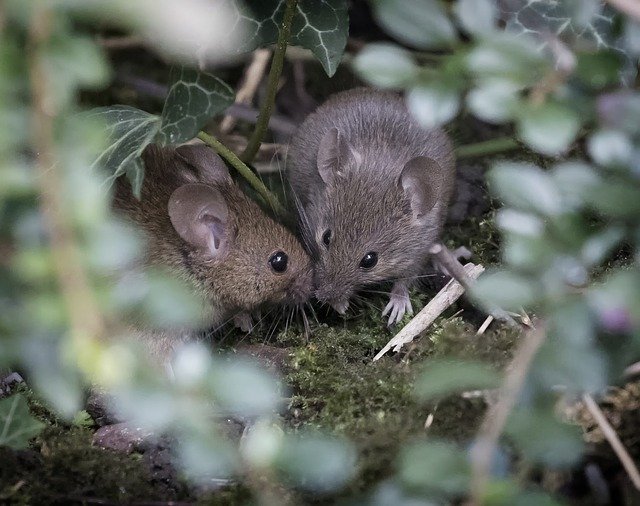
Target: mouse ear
<point x="334" y="154"/>
<point x="205" y="161"/>
<point x="200" y="215"/>
<point x="421" y="179"/>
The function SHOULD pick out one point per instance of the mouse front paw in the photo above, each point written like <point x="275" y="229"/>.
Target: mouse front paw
<point x="243" y="321"/>
<point x="399" y="304"/>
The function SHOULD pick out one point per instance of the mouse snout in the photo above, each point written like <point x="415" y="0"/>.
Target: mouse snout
<point x="327" y="294"/>
<point x="301" y="288"/>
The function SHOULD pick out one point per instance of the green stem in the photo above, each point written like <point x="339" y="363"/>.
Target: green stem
<point x="272" y="84"/>
<point x="245" y="172"/>
<point x="492" y="147"/>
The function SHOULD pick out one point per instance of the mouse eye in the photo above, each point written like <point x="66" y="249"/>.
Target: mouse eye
<point x="326" y="237"/>
<point x="278" y="261"/>
<point x="369" y="260"/>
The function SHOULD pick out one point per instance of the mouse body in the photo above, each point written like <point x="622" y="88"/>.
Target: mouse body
<point x="200" y="225"/>
<point x="372" y="187"/>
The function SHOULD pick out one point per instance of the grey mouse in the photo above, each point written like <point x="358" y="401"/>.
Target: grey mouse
<point x="373" y="188"/>
<point x="200" y="224"/>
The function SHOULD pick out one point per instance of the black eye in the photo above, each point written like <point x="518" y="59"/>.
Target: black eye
<point x="278" y="261"/>
<point x="369" y="260"/>
<point x="326" y="237"/>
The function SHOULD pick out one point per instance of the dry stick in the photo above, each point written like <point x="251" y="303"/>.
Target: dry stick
<point x="244" y="171"/>
<point x="436" y="306"/>
<point x="496" y="417"/>
<point x="485" y="325"/>
<point x="272" y="86"/>
<point x="250" y="83"/>
<point x="629" y="7"/>
<point x="86" y="320"/>
<point x="614" y="440"/>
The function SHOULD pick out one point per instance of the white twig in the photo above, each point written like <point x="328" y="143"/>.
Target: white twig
<point x="614" y="440"/>
<point x="436" y="306"/>
<point x="485" y="325"/>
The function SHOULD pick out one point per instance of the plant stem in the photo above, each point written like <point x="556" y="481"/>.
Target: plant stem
<point x="244" y="171"/>
<point x="272" y="84"/>
<point x="492" y="147"/>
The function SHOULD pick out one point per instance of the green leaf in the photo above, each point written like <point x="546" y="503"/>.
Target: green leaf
<point x="543" y="439"/>
<point x="193" y="99"/>
<point x="17" y="426"/>
<point x="615" y="199"/>
<point x="320" y="26"/>
<point x="386" y="65"/>
<point x="600" y="69"/>
<point x="525" y="187"/>
<point x="130" y="131"/>
<point x="495" y="100"/>
<point x="441" y="378"/>
<point x="422" y="24"/>
<point x="548" y="128"/>
<point x="574" y="180"/>
<point x="315" y="462"/>
<point x="433" y="106"/>
<point x="504" y="289"/>
<point x="610" y="147"/>
<point x="434" y="467"/>
<point x="477" y="17"/>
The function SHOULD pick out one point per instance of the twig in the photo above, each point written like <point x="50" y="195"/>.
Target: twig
<point x="486" y="148"/>
<point x="632" y="370"/>
<point x="609" y="433"/>
<point x="436" y="306"/>
<point x="250" y="83"/>
<point x="496" y="417"/>
<point x="272" y="85"/>
<point x="86" y="320"/>
<point x="485" y="325"/>
<point x="629" y="7"/>
<point x="245" y="172"/>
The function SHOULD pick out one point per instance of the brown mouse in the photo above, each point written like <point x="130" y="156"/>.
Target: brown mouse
<point x="206" y="230"/>
<point x="373" y="189"/>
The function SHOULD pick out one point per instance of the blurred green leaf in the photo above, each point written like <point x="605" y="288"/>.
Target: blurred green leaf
<point x="391" y="493"/>
<point x="517" y="222"/>
<point x="598" y="70"/>
<point x="494" y="101"/>
<point x="548" y="128"/>
<point x="504" y="289"/>
<point x="193" y="99"/>
<point x="525" y="187"/>
<point x="317" y="463"/>
<point x="434" y="467"/>
<point x="422" y="24"/>
<point x="477" y="17"/>
<point x="130" y="131"/>
<point x="206" y="458"/>
<point x="620" y="110"/>
<point x="543" y="439"/>
<point x="442" y="377"/>
<point x="610" y="147"/>
<point x="615" y="199"/>
<point x="17" y="426"/>
<point x="631" y="37"/>
<point x="574" y="180"/>
<point x="433" y="106"/>
<point x="385" y="65"/>
<point x="599" y="246"/>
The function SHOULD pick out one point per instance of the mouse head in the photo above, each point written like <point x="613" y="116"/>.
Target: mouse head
<point x="237" y="254"/>
<point x="366" y="227"/>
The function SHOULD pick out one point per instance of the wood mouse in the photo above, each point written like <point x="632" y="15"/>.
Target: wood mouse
<point x="200" y="224"/>
<point x="373" y="188"/>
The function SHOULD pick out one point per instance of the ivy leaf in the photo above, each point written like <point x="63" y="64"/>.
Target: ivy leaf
<point x="194" y="97"/>
<point x="386" y="65"/>
<point x="321" y="26"/>
<point x="422" y="24"/>
<point x="548" y="128"/>
<point x="130" y="130"/>
<point x="17" y="426"/>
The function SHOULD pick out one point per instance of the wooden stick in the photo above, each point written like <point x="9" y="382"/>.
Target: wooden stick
<point x="436" y="306"/>
<point x="609" y="433"/>
<point x="485" y="325"/>
<point x="495" y="419"/>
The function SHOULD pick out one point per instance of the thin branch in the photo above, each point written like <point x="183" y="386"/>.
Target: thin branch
<point x="272" y="86"/>
<point x="609" y="433"/>
<point x="245" y="172"/>
<point x="86" y="320"/>
<point x="496" y="417"/>
<point x="486" y="148"/>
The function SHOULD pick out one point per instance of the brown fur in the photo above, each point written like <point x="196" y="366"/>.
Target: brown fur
<point x="365" y="208"/>
<point x="243" y="279"/>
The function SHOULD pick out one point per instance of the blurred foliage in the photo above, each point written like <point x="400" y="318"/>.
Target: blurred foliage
<point x="561" y="74"/>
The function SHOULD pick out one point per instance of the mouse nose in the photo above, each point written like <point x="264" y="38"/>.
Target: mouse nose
<point x="301" y="288"/>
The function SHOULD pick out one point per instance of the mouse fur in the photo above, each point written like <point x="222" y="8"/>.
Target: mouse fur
<point x="365" y="172"/>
